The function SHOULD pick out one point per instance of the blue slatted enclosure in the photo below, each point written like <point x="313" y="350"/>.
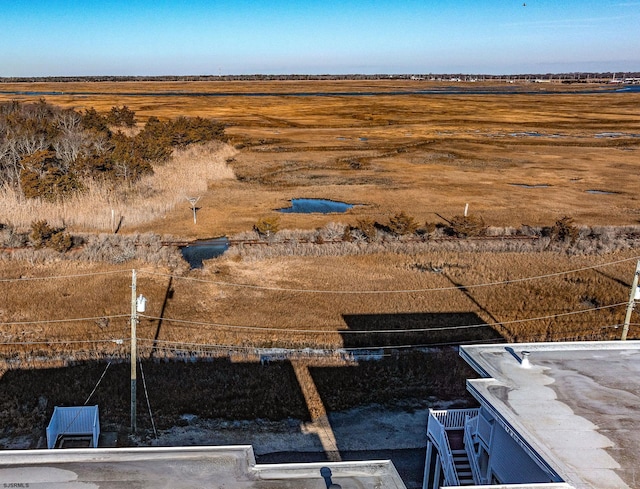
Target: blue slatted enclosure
<point x="74" y="427"/>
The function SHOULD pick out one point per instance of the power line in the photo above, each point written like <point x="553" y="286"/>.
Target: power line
<point x="55" y="277"/>
<point x="99" y="380"/>
<point x="186" y="347"/>
<point x="146" y="395"/>
<point x="66" y="320"/>
<point x="190" y="347"/>
<point x="63" y="342"/>
<point x="326" y="291"/>
<point x="394" y="291"/>
<point x="376" y="331"/>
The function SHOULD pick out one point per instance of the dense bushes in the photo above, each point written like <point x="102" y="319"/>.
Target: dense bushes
<point x="47" y="152"/>
<point x="466" y="226"/>
<point x="402" y="224"/>
<point x="121" y="116"/>
<point x="45" y="175"/>
<point x="44" y="235"/>
<point x="564" y="230"/>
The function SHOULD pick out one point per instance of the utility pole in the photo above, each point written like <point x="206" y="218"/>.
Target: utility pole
<point x="632" y="297"/>
<point x="134" y="360"/>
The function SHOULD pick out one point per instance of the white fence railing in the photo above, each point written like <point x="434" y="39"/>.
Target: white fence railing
<point x="74" y="420"/>
<point x="470" y="429"/>
<point x="438" y="434"/>
<point x="454" y="418"/>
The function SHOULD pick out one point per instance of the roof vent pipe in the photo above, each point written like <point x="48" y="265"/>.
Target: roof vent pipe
<point x="525" y="359"/>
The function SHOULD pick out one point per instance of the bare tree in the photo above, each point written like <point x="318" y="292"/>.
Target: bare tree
<point x="29" y="144"/>
<point x="68" y="120"/>
<point x="9" y="164"/>
<point x="70" y="146"/>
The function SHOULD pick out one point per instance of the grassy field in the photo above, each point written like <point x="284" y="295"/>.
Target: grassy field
<point x="519" y="158"/>
<point x="522" y="158"/>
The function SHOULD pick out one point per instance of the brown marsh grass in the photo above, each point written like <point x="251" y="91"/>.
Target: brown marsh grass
<point x="105" y="208"/>
<point x="308" y="302"/>
<point x="517" y="159"/>
<point x="524" y="158"/>
<point x="76" y="313"/>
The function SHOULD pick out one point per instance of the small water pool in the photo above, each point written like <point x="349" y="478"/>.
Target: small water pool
<point x="600" y="192"/>
<point x="203" y="249"/>
<point x="319" y="206"/>
<point x="526" y="185"/>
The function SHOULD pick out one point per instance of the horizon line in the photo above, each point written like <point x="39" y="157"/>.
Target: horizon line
<point x="337" y="75"/>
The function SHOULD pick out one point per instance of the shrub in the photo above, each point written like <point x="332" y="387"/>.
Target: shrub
<point x="368" y="228"/>
<point x="402" y="224"/>
<point x="121" y="116"/>
<point x="93" y="121"/>
<point x="47" y="152"/>
<point x="10" y="238"/>
<point x="467" y="226"/>
<point x="60" y="241"/>
<point x="332" y="231"/>
<point x="347" y="235"/>
<point x="44" y="175"/>
<point x="430" y="227"/>
<point x="42" y="234"/>
<point x="564" y="230"/>
<point x="267" y="226"/>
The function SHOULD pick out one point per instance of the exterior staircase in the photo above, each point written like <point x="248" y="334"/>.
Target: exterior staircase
<point x="447" y="431"/>
<point x="460" y="457"/>
<point x="463" y="467"/>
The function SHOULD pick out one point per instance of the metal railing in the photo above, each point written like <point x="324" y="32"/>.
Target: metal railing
<point x="438" y="434"/>
<point x="470" y="429"/>
<point x="453" y="418"/>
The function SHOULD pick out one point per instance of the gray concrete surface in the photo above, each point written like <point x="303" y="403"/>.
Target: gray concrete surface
<point x="181" y="468"/>
<point x="577" y="405"/>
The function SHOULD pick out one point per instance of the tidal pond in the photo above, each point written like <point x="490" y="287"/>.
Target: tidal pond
<point x="319" y="206"/>
<point x="203" y="249"/>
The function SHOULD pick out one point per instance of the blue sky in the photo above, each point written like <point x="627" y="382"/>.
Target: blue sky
<point x="197" y="37"/>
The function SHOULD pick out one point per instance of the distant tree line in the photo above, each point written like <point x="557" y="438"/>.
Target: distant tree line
<point x="603" y="76"/>
<point x="48" y="151"/>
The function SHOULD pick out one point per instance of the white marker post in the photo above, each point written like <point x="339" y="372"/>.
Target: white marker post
<point x="193" y="201"/>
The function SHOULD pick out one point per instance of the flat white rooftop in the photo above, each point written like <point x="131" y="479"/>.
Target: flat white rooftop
<point x="181" y="468"/>
<point x="577" y="406"/>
